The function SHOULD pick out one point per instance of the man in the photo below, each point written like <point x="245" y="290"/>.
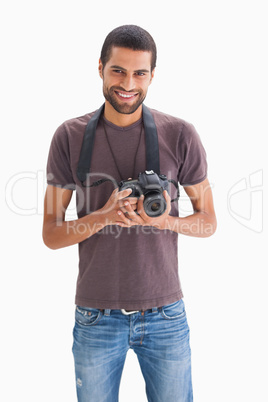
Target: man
<point x="128" y="290"/>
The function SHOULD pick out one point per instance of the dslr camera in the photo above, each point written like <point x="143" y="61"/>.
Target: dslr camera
<point x="151" y="185"/>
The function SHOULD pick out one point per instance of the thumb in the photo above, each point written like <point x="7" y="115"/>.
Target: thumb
<point x="124" y="193"/>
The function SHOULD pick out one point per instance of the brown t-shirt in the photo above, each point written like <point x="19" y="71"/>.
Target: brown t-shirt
<point x="137" y="267"/>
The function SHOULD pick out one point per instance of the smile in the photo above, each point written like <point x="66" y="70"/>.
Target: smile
<point x="124" y="96"/>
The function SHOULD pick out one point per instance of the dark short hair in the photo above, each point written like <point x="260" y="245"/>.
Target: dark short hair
<point x="130" y="37"/>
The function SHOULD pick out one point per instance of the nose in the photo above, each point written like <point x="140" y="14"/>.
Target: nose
<point x="128" y="82"/>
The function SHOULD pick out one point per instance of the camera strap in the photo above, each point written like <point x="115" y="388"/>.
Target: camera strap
<point x="177" y="187"/>
<point x="151" y="141"/>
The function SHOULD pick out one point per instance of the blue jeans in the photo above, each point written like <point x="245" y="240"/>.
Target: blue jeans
<point x="160" y="339"/>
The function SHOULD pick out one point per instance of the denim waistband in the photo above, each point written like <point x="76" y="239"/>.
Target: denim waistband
<point x="107" y="311"/>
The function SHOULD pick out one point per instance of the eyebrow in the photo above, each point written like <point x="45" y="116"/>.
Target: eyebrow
<point x="143" y="70"/>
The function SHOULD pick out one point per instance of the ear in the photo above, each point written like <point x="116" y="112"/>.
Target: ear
<point x="152" y="76"/>
<point x="100" y="68"/>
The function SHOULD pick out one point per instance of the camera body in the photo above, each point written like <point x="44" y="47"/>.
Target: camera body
<point x="151" y="185"/>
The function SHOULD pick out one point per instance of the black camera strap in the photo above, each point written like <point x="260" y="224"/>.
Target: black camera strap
<point x="151" y="141"/>
<point x="177" y="187"/>
<point x="151" y="138"/>
<point x="84" y="162"/>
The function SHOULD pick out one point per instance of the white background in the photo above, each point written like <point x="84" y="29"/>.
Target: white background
<point x="211" y="71"/>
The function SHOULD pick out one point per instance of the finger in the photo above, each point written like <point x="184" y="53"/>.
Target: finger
<point x="166" y="195"/>
<point x="168" y="200"/>
<point x="132" y="200"/>
<point x="128" y="208"/>
<point x="140" y="208"/>
<point x="124" y="219"/>
<point x="125" y="211"/>
<point x="124" y="193"/>
<point x="131" y="213"/>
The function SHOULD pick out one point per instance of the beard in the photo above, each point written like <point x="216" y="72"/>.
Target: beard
<point x="121" y="107"/>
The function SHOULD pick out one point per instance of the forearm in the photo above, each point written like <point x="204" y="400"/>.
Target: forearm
<point x="198" y="224"/>
<point x="59" y="234"/>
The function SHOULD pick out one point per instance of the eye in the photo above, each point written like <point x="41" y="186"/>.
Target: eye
<point x="118" y="71"/>
<point x="140" y="74"/>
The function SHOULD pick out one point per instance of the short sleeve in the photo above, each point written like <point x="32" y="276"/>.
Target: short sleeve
<point x="59" y="171"/>
<point x="192" y="156"/>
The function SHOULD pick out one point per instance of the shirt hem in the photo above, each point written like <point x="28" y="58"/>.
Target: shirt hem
<point x="192" y="183"/>
<point x="129" y="304"/>
<point x="65" y="186"/>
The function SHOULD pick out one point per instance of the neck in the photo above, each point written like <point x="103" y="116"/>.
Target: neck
<point x="120" y="119"/>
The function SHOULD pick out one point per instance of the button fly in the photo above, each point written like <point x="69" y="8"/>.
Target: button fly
<point x="136" y="329"/>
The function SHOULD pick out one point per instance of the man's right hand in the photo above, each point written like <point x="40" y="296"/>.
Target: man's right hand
<point x="58" y="233"/>
<point x="112" y="211"/>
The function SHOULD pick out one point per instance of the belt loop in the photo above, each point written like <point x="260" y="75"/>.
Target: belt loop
<point x="107" y="312"/>
<point x="154" y="310"/>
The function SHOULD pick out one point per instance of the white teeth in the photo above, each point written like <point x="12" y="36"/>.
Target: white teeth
<point x="125" y="96"/>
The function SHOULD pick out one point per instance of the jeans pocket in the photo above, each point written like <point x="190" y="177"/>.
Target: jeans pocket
<point x="87" y="316"/>
<point x="174" y="311"/>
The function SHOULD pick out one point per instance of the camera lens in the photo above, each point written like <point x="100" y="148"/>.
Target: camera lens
<point x="154" y="204"/>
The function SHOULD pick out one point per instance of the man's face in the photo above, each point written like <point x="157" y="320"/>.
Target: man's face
<point x="126" y="77"/>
